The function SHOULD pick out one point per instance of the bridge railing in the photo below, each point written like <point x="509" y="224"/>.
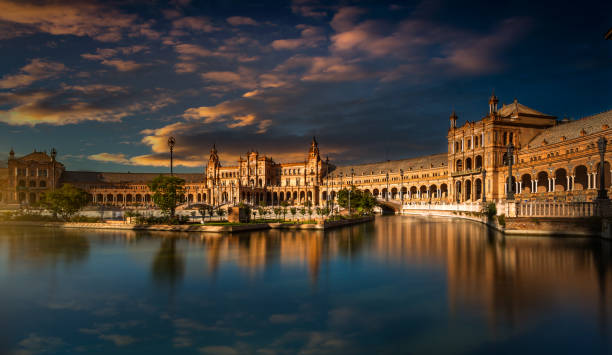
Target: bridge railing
<point x="557" y="209"/>
<point x="464" y="207"/>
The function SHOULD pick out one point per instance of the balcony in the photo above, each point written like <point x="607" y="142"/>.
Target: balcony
<point x="466" y="172"/>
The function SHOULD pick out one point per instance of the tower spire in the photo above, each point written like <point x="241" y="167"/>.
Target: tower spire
<point x="493" y="103"/>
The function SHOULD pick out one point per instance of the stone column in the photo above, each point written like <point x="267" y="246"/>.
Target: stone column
<point x="573" y="182"/>
<point x="568" y="183"/>
<point x="594" y="180"/>
<point x="535" y="185"/>
<point x="553" y="183"/>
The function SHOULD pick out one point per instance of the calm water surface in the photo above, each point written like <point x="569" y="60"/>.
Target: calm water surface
<point x="397" y="285"/>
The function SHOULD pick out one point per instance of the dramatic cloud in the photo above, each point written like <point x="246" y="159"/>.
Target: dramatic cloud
<point x="74" y="104"/>
<point x="110" y="158"/>
<point x="241" y="20"/>
<point x="310" y="37"/>
<point x="200" y="24"/>
<point x="105" y="56"/>
<point x="91" y="19"/>
<point x="37" y="69"/>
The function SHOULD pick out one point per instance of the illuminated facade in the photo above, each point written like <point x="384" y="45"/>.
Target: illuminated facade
<point x="554" y="160"/>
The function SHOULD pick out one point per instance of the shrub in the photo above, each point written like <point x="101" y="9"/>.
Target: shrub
<point x="501" y="219"/>
<point x="490" y="210"/>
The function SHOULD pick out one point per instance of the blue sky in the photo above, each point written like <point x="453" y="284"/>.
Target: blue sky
<point x="107" y="82"/>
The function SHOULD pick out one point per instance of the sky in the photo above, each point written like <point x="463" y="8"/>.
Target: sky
<point x="107" y="82"/>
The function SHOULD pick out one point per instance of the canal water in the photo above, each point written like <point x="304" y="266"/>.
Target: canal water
<point x="397" y="285"/>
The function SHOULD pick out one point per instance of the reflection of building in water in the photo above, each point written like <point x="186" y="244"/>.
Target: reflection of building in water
<point x="303" y="248"/>
<point x="509" y="278"/>
<point x="44" y="248"/>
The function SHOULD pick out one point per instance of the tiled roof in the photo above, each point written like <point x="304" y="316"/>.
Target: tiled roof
<point x="515" y="109"/>
<point x="393" y="166"/>
<point x="93" y="177"/>
<point x="36" y="156"/>
<point x="572" y="129"/>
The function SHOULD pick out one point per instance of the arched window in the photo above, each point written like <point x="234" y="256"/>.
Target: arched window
<point x="42" y="183"/>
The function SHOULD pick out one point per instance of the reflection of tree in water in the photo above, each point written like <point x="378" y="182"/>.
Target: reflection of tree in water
<point x="353" y="240"/>
<point x="46" y="247"/>
<point x="168" y="265"/>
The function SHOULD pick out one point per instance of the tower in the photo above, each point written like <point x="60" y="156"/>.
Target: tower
<point x="213" y="165"/>
<point x="453" y="120"/>
<point x="11" y="154"/>
<point x="493" y="104"/>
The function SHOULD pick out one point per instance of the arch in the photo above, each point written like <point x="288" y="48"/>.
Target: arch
<point x="384" y="193"/>
<point x="468" y="164"/>
<point x="478" y="162"/>
<point x="42" y="183"/>
<point x="282" y="196"/>
<point x="32" y="197"/>
<point x="526" y="182"/>
<point x="607" y="175"/>
<point x="309" y="196"/>
<point x="394" y="193"/>
<point x="295" y="195"/>
<point x="302" y="196"/>
<point x="367" y="191"/>
<point x="458" y="165"/>
<point x="581" y="179"/>
<point x="99" y="198"/>
<point x="433" y="191"/>
<point x="128" y="198"/>
<point x="444" y="190"/>
<point x="324" y="196"/>
<point x="468" y="189"/>
<point x="260" y="183"/>
<point x="404" y="192"/>
<point x="275" y="197"/>
<point x="203" y="197"/>
<point x="477" y="189"/>
<point x="542" y="179"/>
<point x="190" y="198"/>
<point x="147" y="198"/>
<point x="138" y="198"/>
<point x="109" y="198"/>
<point x="199" y="197"/>
<point x="560" y="179"/>
<point x="119" y="198"/>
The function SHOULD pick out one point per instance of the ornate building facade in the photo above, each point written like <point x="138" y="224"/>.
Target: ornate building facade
<point x="553" y="160"/>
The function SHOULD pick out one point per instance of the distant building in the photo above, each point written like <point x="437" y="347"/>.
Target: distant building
<point x="554" y="160"/>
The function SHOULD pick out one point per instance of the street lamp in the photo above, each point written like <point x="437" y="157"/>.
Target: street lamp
<point x="602" y="194"/>
<point x="387" y="194"/>
<point x="349" y="190"/>
<point x="510" y="157"/>
<point x="402" y="185"/>
<point x="171" y="143"/>
<point x="484" y="190"/>
<point x="53" y="155"/>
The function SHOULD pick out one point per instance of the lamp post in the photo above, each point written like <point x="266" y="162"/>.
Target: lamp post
<point x="402" y="186"/>
<point x="171" y="143"/>
<point x="53" y="155"/>
<point x="327" y="181"/>
<point x="484" y="190"/>
<point x="387" y="193"/>
<point x="602" y="194"/>
<point x="349" y="190"/>
<point x="510" y="192"/>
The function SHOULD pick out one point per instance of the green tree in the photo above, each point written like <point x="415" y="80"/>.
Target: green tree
<point x="293" y="211"/>
<point x="361" y="202"/>
<point x="167" y="193"/>
<point x="277" y="212"/>
<point x="65" y="201"/>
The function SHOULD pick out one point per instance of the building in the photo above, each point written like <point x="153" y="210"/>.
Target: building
<point x="553" y="160"/>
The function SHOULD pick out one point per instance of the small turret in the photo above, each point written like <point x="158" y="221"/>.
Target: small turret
<point x="11" y="154"/>
<point x="453" y="120"/>
<point x="493" y="104"/>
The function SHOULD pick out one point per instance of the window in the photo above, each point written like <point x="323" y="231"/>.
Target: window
<point x="22" y="183"/>
<point x="21" y="171"/>
<point x="42" y="172"/>
<point x="32" y="183"/>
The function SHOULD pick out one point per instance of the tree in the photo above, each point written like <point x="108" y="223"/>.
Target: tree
<point x="167" y="193"/>
<point x="220" y="212"/>
<point x="284" y="205"/>
<point x="65" y="201"/>
<point x="361" y="201"/>
<point x="203" y="209"/>
<point x="293" y="211"/>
